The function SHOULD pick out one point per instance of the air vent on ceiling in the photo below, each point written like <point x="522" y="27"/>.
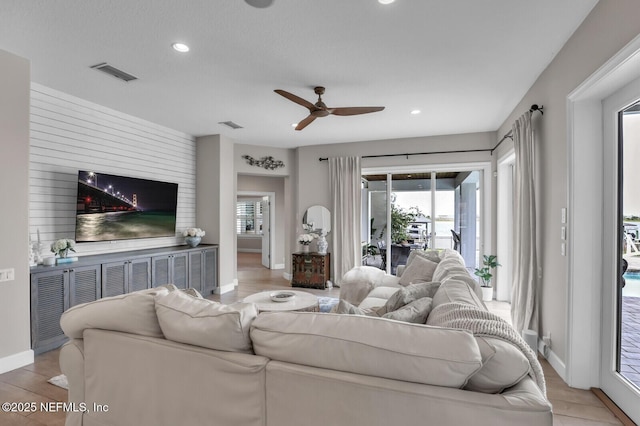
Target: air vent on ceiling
<point x="231" y="124"/>
<point x="106" y="68"/>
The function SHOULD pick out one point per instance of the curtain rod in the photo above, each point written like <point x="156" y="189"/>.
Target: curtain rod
<point x="533" y="108"/>
<point x="509" y="135"/>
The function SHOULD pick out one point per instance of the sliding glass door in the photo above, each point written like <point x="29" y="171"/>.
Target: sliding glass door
<point x="418" y="210"/>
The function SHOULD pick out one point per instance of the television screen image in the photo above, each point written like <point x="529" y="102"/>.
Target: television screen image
<point x="114" y="207"/>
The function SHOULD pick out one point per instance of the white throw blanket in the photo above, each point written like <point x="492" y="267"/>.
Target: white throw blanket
<point x="484" y="323"/>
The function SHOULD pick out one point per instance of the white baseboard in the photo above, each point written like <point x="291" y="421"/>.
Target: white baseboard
<point x="14" y="361"/>
<point x="278" y="266"/>
<point x="286" y="276"/>
<point x="227" y="287"/>
<point x="249" y="250"/>
<point x="554" y="360"/>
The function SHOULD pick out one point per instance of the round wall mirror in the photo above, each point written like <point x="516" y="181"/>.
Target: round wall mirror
<point x="319" y="218"/>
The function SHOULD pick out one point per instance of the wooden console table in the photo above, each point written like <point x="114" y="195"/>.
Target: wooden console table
<point x="311" y="270"/>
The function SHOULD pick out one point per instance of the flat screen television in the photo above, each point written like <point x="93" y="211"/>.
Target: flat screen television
<point x="114" y="207"/>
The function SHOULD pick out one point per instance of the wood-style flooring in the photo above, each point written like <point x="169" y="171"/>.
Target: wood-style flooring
<point x="571" y="407"/>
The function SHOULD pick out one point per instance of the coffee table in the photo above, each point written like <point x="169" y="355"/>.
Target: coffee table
<point x="302" y="302"/>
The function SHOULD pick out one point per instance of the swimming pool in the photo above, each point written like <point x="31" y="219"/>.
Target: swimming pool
<point x="632" y="286"/>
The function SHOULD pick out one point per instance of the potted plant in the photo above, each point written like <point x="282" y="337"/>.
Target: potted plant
<point x="489" y="262"/>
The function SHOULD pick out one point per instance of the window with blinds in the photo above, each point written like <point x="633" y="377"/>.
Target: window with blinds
<point x="249" y="218"/>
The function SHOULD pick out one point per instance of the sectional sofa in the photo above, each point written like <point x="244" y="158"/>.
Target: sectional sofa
<point x="165" y="357"/>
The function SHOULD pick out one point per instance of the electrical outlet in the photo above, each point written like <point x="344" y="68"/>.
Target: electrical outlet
<point x="7" y="274"/>
<point x="547" y="339"/>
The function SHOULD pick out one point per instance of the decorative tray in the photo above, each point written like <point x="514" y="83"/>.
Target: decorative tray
<point x="282" y="296"/>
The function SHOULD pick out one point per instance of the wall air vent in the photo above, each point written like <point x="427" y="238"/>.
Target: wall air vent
<point x="231" y="124"/>
<point x="106" y="68"/>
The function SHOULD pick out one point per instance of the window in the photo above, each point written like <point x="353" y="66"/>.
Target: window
<point x="249" y="217"/>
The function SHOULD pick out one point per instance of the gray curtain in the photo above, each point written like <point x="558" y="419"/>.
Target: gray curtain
<point x="345" y="183"/>
<point x="524" y="297"/>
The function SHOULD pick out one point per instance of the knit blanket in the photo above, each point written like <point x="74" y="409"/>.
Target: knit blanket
<point x="484" y="323"/>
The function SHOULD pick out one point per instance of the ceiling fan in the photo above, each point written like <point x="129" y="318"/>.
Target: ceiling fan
<point x="319" y="109"/>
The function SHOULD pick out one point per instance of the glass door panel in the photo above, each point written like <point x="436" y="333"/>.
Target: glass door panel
<point x="374" y="205"/>
<point x="628" y="289"/>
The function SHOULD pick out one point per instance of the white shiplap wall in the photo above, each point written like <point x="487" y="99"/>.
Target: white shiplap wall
<point x="70" y="134"/>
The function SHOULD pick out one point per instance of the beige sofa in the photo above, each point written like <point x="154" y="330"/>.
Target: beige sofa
<point x="163" y="357"/>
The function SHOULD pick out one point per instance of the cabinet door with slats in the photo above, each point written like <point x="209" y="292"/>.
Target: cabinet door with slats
<point x="160" y="270"/>
<point x="210" y="270"/>
<point x="180" y="270"/>
<point x="84" y="284"/>
<point x="139" y="274"/>
<point x="114" y="278"/>
<point x="196" y="271"/>
<point x="48" y="301"/>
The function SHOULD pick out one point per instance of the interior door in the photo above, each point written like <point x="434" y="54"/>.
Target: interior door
<point x="266" y="232"/>
<point x="620" y="353"/>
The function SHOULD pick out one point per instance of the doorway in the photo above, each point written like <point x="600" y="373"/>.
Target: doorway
<point x="255" y="221"/>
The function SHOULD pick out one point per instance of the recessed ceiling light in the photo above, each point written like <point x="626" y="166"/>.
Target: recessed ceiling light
<point x="294" y="125"/>
<point x="416" y="112"/>
<point x="386" y="1"/>
<point x="260" y="4"/>
<point x="180" y="47"/>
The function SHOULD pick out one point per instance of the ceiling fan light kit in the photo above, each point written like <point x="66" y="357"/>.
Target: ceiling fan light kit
<point x="320" y="109"/>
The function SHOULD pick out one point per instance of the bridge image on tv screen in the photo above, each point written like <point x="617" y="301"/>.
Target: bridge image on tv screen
<point x="111" y="207"/>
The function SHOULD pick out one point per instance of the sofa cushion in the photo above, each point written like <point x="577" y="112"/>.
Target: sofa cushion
<point x="503" y="365"/>
<point x="370" y="346"/>
<point x="358" y="282"/>
<point x="447" y="266"/>
<point x="205" y="323"/>
<point x="408" y="294"/>
<point x="130" y="313"/>
<point x="464" y="276"/>
<point x="420" y="269"/>
<point x="455" y="290"/>
<point x="416" y="311"/>
<point x="378" y="297"/>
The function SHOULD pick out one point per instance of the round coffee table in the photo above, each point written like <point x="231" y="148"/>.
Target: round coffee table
<point x="303" y="302"/>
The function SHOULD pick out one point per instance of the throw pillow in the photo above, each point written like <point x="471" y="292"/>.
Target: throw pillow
<point x="345" y="307"/>
<point x="205" y="323"/>
<point x="431" y="254"/>
<point x="416" y="311"/>
<point x="408" y="294"/>
<point x="420" y="268"/>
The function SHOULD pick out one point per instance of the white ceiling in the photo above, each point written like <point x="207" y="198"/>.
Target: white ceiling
<point x="464" y="63"/>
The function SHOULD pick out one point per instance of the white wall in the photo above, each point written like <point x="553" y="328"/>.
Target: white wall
<point x="611" y="25"/>
<point x="14" y="186"/>
<point x="69" y="134"/>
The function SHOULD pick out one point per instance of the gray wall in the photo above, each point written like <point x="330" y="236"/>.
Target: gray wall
<point x="14" y="186"/>
<point x="609" y="27"/>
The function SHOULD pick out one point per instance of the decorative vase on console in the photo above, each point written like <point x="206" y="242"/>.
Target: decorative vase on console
<point x="322" y="244"/>
<point x="193" y="236"/>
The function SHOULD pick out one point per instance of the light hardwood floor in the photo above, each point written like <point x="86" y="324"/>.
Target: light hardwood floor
<point x="571" y="407"/>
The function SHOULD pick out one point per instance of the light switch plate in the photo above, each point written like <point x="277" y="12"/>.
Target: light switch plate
<point x="563" y="215"/>
<point x="563" y="233"/>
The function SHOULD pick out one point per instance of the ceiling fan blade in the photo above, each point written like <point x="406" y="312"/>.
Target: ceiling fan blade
<point x="354" y="110"/>
<point x="296" y="99"/>
<point x="304" y="123"/>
